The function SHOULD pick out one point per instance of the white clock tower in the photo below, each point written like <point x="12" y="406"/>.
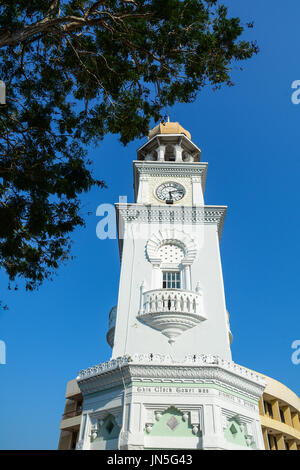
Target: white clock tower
<point x="171" y="382"/>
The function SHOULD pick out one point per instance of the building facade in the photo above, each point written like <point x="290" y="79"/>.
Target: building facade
<point x="171" y="382"/>
<point x="280" y="417"/>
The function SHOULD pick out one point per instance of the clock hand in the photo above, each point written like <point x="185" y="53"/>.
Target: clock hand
<point x="176" y="191"/>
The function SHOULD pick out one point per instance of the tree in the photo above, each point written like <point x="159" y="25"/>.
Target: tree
<point x="74" y="71"/>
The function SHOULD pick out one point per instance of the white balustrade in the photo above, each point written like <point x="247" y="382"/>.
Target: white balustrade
<point x="111" y="326"/>
<point x="112" y="318"/>
<point x="171" y="301"/>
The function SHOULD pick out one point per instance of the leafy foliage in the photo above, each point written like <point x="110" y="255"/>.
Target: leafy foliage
<point x="76" y="70"/>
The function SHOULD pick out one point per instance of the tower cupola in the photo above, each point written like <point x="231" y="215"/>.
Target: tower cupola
<point x="167" y="142"/>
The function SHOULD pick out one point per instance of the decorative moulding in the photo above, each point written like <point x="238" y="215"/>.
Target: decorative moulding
<point x="171" y="324"/>
<point x="140" y="213"/>
<point x="166" y="359"/>
<point x="149" y="427"/>
<point x="170" y="215"/>
<point x="165" y="236"/>
<point x="169" y="170"/>
<point x="101" y="415"/>
<point x="157" y="367"/>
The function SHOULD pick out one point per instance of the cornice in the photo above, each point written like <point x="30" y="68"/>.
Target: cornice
<point x="170" y="169"/>
<point x="151" y="367"/>
<point x="142" y="214"/>
<point x="199" y="215"/>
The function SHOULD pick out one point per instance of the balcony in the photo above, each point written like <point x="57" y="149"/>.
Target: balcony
<point x="171" y="311"/>
<point x="72" y="414"/>
<point x="70" y="424"/>
<point x="228" y="327"/>
<point x="277" y="427"/>
<point x="111" y="326"/>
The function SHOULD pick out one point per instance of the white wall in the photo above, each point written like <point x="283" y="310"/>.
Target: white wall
<point x="210" y="336"/>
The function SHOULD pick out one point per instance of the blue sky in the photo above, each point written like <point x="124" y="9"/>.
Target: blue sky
<point x="249" y="135"/>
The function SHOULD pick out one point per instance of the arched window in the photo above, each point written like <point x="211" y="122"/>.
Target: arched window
<point x="170" y="155"/>
<point x="151" y="157"/>
<point x="171" y="253"/>
<point x="187" y="157"/>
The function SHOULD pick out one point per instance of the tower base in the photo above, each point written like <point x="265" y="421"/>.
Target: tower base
<point x="150" y="402"/>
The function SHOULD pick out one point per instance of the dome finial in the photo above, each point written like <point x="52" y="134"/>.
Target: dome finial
<point x="168" y="128"/>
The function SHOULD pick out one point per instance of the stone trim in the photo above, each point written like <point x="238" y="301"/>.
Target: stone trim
<point x="165" y="169"/>
<point x="142" y="367"/>
<point x="165" y="236"/>
<point x="201" y="215"/>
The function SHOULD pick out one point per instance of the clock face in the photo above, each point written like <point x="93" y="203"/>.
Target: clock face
<point x="170" y="192"/>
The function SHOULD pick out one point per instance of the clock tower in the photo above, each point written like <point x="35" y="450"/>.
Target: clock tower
<point x="171" y="382"/>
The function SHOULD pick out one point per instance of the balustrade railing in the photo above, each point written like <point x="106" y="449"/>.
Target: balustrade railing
<point x="111" y="326"/>
<point x="170" y="300"/>
<point x="112" y="318"/>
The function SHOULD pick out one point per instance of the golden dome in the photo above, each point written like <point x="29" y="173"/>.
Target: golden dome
<point x="168" y="128"/>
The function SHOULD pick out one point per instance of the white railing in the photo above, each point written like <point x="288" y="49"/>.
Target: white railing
<point x="111" y="326"/>
<point x="112" y="318"/>
<point x="169" y="301"/>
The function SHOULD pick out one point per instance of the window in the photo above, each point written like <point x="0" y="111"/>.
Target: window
<point x="269" y="442"/>
<point x="74" y="440"/>
<point x="79" y="405"/>
<point x="272" y="442"/>
<point x="287" y="445"/>
<point x="268" y="408"/>
<point x="281" y="415"/>
<point x="109" y="426"/>
<point x="171" y="280"/>
<point x="170" y="154"/>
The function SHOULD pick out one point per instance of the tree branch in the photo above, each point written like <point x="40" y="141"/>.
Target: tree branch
<point x="67" y="24"/>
